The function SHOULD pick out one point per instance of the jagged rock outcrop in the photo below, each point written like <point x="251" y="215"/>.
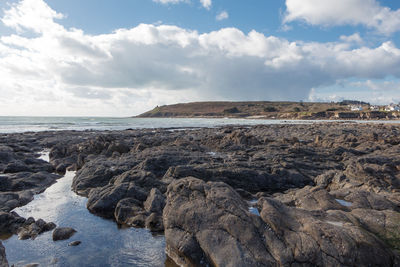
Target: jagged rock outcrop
<point x="209" y="223"/>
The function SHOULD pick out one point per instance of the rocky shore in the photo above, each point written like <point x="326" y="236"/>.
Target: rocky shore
<point x="325" y="194"/>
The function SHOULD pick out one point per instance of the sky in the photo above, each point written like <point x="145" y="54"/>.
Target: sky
<point x="124" y="57"/>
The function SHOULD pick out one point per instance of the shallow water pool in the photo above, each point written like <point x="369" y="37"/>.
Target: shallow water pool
<point x="103" y="242"/>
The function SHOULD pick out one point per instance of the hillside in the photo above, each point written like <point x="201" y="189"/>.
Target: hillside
<point x="268" y="110"/>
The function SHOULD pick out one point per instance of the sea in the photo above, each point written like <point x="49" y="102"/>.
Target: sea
<point x="11" y="124"/>
<point x="36" y="124"/>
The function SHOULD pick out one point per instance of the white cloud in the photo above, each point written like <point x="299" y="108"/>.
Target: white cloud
<point x="374" y="85"/>
<point x="354" y="38"/>
<point x="165" y="2"/>
<point x="206" y="4"/>
<point x="379" y="92"/>
<point x="221" y="16"/>
<point x="131" y="70"/>
<point x="33" y="15"/>
<point x="342" y="12"/>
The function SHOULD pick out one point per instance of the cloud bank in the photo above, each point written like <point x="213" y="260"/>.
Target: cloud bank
<point x="65" y="71"/>
<point x="368" y="13"/>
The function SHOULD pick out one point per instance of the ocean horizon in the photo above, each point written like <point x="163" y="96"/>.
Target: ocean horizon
<point x="20" y="124"/>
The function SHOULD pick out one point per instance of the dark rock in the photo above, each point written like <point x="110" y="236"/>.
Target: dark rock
<point x="155" y="202"/>
<point x="16" y="166"/>
<point x="10" y="222"/>
<point x="208" y="223"/>
<point x="143" y="179"/>
<point x="95" y="173"/>
<point x="3" y="259"/>
<point x="243" y="193"/>
<point x="103" y="200"/>
<point x="62" y="233"/>
<point x="311" y="198"/>
<point x="62" y="168"/>
<point x="137" y="221"/>
<point x="119" y="147"/>
<point x="384" y="224"/>
<point x="245" y="178"/>
<point x="31" y="228"/>
<point x="127" y="209"/>
<point x="324" y="239"/>
<point x="49" y="226"/>
<point x="23" y="181"/>
<point x="74" y="243"/>
<point x="154" y="222"/>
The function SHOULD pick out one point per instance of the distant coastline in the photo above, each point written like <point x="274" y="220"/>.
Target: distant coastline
<point x="351" y="110"/>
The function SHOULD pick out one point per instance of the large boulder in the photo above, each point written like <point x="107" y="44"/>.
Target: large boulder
<point x="10" y="222"/>
<point x="63" y="233"/>
<point x="103" y="200"/>
<point x="319" y="238"/>
<point x="95" y="173"/>
<point x="129" y="211"/>
<point x="209" y="223"/>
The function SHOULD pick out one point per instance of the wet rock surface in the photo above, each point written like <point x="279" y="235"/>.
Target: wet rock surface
<point x="3" y="259"/>
<point x="63" y="233"/>
<point x="288" y="195"/>
<point x="74" y="243"/>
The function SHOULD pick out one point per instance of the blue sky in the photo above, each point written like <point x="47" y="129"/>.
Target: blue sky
<point x="120" y="58"/>
<point x="104" y="16"/>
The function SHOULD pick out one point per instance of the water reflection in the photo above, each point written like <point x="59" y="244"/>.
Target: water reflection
<point x="103" y="243"/>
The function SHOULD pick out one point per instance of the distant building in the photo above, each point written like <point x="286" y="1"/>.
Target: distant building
<point x="356" y="108"/>
<point x="374" y="108"/>
<point x="392" y="107"/>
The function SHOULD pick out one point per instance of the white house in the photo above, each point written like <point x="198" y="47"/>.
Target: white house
<point x="392" y="107"/>
<point x="356" y="108"/>
<point x="374" y="108"/>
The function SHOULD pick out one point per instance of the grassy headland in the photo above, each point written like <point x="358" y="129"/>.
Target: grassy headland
<point x="271" y="110"/>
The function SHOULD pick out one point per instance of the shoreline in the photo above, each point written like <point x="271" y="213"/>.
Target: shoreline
<point x="261" y="117"/>
<point x="174" y="123"/>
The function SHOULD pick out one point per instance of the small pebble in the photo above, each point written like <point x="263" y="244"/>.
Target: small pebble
<point x="74" y="243"/>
